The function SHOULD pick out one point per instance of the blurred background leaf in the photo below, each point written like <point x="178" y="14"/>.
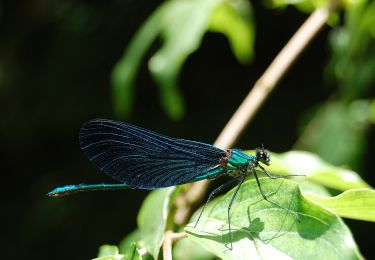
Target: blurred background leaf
<point x="338" y="131"/>
<point x="181" y="25"/>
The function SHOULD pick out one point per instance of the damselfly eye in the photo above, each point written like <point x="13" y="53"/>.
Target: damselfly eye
<point x="262" y="156"/>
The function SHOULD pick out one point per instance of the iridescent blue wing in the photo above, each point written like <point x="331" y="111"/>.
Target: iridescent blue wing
<point x="144" y="159"/>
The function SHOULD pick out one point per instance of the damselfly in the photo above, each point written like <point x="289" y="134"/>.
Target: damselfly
<point x="140" y="158"/>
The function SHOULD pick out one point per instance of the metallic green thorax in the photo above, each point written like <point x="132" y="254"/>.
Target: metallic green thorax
<point x="239" y="159"/>
<point x="239" y="162"/>
<point x="234" y="164"/>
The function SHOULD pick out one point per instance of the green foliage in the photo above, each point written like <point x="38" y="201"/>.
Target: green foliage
<point x="187" y="249"/>
<point x="152" y="219"/>
<point x="299" y="230"/>
<point x="356" y="204"/>
<point x="108" y="252"/>
<point x="236" y="22"/>
<point x="132" y="253"/>
<point x="181" y="25"/>
<point x="127" y="242"/>
<point x="338" y="131"/>
<point x="352" y="63"/>
<point x="315" y="170"/>
<point x="303" y="5"/>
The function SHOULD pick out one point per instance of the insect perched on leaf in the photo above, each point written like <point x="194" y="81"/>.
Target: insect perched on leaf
<point x="140" y="158"/>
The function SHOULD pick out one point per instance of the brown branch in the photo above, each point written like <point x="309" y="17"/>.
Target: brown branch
<point x="273" y="74"/>
<point x="169" y="238"/>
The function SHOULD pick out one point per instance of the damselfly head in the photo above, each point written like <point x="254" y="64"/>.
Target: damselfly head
<point x="262" y="156"/>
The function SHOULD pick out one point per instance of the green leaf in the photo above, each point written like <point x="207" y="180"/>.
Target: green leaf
<point x="111" y="257"/>
<point x="352" y="62"/>
<point x="186" y="249"/>
<point x="338" y="132"/>
<point x="263" y="230"/>
<point x="124" y="72"/>
<point x="356" y="204"/>
<point x="316" y="170"/>
<point x="303" y="5"/>
<point x="181" y="25"/>
<point x="234" y="19"/>
<point x="152" y="219"/>
<point x="132" y="253"/>
<point x="109" y="252"/>
<point x="311" y="187"/>
<point x="372" y="112"/>
<point x="128" y="240"/>
<point x="106" y="250"/>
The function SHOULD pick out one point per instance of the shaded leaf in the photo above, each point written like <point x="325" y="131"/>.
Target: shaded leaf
<point x="356" y="204"/>
<point x="261" y="230"/>
<point x="124" y="72"/>
<point x="303" y="5"/>
<point x="128" y="240"/>
<point x="352" y="63"/>
<point x="372" y="112"/>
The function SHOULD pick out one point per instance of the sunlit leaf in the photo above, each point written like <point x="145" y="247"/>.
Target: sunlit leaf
<point x="356" y="204"/>
<point x="312" y="187"/>
<point x="183" y="26"/>
<point x="152" y="219"/>
<point x="291" y="228"/>
<point x="132" y="253"/>
<point x="186" y="249"/>
<point x="235" y="20"/>
<point x="316" y="170"/>
<point x="109" y="252"/>
<point x="105" y="250"/>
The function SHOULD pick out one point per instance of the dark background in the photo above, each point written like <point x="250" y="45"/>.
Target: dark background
<point x="55" y="66"/>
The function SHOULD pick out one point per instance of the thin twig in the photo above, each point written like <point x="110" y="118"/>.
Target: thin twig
<point x="263" y="88"/>
<point x="273" y="74"/>
<point x="169" y="238"/>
